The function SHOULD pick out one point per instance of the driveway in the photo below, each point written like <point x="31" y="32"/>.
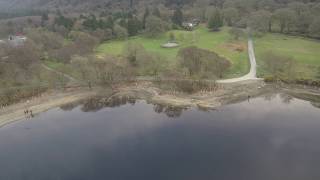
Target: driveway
<point x="252" y="75"/>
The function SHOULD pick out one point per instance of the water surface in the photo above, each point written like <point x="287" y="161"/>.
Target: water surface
<point x="268" y="138"/>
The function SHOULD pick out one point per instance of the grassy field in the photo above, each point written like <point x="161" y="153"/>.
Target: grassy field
<point x="305" y="52"/>
<point x="221" y="42"/>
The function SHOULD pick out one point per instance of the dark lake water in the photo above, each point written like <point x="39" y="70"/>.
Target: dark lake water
<point x="269" y="138"/>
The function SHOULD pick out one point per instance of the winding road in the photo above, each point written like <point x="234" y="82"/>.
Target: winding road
<point x="252" y="75"/>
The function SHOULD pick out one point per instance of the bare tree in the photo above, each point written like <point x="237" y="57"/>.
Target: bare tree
<point x="279" y="66"/>
<point x="202" y="63"/>
<point x="155" y="26"/>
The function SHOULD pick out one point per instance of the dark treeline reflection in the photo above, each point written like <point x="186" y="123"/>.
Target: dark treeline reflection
<point x="316" y="104"/>
<point x="97" y="103"/>
<point x="170" y="111"/>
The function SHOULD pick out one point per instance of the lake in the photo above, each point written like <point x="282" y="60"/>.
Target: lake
<point x="274" y="137"/>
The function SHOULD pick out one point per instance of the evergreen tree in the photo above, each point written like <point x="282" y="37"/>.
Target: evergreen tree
<point x="109" y="23"/>
<point x="177" y="17"/>
<point x="92" y="23"/>
<point x="156" y="12"/>
<point x="215" y="22"/>
<point x="155" y="26"/>
<point x="314" y="29"/>
<point x="63" y="21"/>
<point x="172" y="37"/>
<point x="318" y="73"/>
<point x="145" y="16"/>
<point x="134" y="25"/>
<point x="130" y="15"/>
<point x="44" y="18"/>
<point x="123" y="23"/>
<point x="131" y="3"/>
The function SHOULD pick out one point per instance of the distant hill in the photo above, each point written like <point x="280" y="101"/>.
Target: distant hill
<point x="65" y="4"/>
<point x="53" y="4"/>
<point x="80" y="5"/>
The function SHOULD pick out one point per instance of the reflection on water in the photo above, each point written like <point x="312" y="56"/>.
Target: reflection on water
<point x="98" y="103"/>
<point x="287" y="99"/>
<point x="170" y="111"/>
<point x="316" y="104"/>
<point x="273" y="137"/>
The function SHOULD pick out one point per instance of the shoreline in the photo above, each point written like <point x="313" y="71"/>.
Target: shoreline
<point x="226" y="94"/>
<point x="43" y="103"/>
<point x="142" y="90"/>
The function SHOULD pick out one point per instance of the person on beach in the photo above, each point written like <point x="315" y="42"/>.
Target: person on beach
<point x="31" y="114"/>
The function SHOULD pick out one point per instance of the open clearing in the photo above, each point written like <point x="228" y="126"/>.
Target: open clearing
<point x="220" y="42"/>
<point x="305" y="52"/>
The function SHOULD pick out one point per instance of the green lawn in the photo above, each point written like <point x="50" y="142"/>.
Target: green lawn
<point x="305" y="52"/>
<point x="220" y="42"/>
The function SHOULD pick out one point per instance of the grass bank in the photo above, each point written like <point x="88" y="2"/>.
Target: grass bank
<point x="221" y="42"/>
<point x="305" y="52"/>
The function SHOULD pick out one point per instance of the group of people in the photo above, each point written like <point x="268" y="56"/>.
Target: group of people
<point x="28" y="113"/>
<point x="2" y="106"/>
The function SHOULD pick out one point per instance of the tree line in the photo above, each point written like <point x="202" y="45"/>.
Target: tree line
<point x="68" y="37"/>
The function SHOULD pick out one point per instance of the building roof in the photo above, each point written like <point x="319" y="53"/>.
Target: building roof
<point x="17" y="40"/>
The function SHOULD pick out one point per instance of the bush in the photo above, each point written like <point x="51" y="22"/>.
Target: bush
<point x="120" y="32"/>
<point x="202" y="63"/>
<point x="307" y="82"/>
<point x="269" y="79"/>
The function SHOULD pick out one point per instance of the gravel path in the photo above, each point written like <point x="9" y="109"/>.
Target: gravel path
<point x="252" y="75"/>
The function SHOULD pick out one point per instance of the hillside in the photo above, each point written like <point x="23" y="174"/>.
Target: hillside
<point x="83" y="5"/>
<point x="73" y="5"/>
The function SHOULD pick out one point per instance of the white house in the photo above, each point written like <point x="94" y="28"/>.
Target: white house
<point x="17" y="40"/>
<point x="188" y="26"/>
